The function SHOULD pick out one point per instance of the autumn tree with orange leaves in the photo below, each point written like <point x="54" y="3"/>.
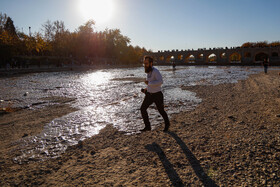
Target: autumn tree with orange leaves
<point x="57" y="41"/>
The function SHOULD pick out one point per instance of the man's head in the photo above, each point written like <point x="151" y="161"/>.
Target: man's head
<point x="148" y="63"/>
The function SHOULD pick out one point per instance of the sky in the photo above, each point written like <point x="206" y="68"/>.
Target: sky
<point x="158" y="24"/>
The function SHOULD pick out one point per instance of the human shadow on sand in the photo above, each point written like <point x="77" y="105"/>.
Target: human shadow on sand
<point x="172" y="174"/>
<point x="204" y="178"/>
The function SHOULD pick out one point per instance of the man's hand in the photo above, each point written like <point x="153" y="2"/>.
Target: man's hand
<point x="144" y="90"/>
<point x="147" y="82"/>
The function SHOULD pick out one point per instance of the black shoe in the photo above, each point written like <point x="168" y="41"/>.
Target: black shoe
<point x="166" y="128"/>
<point x="146" y="129"/>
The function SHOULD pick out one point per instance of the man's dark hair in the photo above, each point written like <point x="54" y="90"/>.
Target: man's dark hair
<point x="151" y="60"/>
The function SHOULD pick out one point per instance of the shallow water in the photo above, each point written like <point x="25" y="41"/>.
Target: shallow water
<point x="110" y="96"/>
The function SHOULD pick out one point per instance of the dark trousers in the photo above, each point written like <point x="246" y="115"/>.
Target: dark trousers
<point x="151" y="98"/>
<point x="265" y="69"/>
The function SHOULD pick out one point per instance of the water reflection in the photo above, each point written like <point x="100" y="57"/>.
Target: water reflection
<point x="96" y="78"/>
<point x="107" y="97"/>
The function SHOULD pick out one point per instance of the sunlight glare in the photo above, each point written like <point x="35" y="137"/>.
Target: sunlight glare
<point x="99" y="10"/>
<point x="96" y="78"/>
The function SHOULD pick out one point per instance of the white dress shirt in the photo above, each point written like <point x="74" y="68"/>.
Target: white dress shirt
<point x="155" y="81"/>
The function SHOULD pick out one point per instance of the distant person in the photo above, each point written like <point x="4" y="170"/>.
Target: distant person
<point x="265" y="65"/>
<point x="173" y="65"/>
<point x="153" y="94"/>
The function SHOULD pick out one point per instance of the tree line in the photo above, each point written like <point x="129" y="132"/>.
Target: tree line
<point x="260" y="44"/>
<point x="83" y="44"/>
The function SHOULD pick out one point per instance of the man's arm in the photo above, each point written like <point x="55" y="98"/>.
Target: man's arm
<point x="158" y="80"/>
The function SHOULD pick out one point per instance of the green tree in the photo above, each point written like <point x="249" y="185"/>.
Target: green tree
<point x="85" y="40"/>
<point x="116" y="43"/>
<point x="8" y="37"/>
<point x="3" y="20"/>
<point x="48" y="31"/>
<point x="87" y="28"/>
<point x="56" y="38"/>
<point x="10" y="28"/>
<point x="40" y="44"/>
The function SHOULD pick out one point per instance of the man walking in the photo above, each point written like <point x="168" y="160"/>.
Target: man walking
<point x="153" y="94"/>
<point x="265" y="65"/>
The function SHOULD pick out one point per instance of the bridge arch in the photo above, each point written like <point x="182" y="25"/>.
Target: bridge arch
<point x="212" y="58"/>
<point x="223" y="55"/>
<point x="259" y="57"/>
<point x="155" y="58"/>
<point x="200" y="56"/>
<point x="169" y="58"/>
<point x="247" y="57"/>
<point x="235" y="57"/>
<point x="180" y="57"/>
<point x="190" y="58"/>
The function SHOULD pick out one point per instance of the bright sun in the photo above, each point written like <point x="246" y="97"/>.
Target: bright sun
<point x="98" y="10"/>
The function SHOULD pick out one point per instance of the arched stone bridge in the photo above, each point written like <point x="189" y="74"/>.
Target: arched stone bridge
<point x="218" y="56"/>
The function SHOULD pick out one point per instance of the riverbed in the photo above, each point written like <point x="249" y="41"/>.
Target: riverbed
<point x="103" y="97"/>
